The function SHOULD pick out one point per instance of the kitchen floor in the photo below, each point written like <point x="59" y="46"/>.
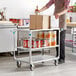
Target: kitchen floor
<point x="8" y="67"/>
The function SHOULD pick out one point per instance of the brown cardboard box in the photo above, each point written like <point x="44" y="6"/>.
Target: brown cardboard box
<point x="39" y="22"/>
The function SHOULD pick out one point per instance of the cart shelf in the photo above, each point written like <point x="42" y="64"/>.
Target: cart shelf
<point x="47" y="47"/>
<point x="38" y="58"/>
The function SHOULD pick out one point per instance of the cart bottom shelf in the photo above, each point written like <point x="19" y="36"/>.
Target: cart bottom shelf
<point x="37" y="59"/>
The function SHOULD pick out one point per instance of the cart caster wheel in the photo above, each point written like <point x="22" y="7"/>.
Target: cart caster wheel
<point x="31" y="67"/>
<point x="42" y="62"/>
<point x="56" y="62"/>
<point x="11" y="53"/>
<point x="18" y="64"/>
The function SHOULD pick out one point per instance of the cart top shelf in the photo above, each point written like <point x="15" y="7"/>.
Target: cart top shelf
<point x="52" y="29"/>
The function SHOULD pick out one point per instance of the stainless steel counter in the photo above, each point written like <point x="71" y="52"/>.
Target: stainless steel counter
<point x="8" y="38"/>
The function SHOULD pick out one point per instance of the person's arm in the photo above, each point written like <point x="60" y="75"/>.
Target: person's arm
<point x="46" y="6"/>
<point x="42" y="9"/>
<point x="60" y="13"/>
<point x="66" y="8"/>
<point x="63" y="12"/>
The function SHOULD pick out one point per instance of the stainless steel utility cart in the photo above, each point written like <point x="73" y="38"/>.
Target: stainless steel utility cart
<point x="33" y="59"/>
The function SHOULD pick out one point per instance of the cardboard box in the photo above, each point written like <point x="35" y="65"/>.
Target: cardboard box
<point x="39" y="22"/>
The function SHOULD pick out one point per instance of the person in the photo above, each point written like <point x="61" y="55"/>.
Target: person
<point x="61" y="7"/>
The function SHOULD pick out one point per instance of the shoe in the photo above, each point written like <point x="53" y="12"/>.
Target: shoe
<point x="61" y="61"/>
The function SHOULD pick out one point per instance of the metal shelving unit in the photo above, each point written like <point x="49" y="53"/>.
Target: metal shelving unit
<point x="72" y="26"/>
<point x="31" y="60"/>
<point x="74" y="39"/>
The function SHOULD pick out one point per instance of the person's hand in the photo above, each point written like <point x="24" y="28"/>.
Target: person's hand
<point x="36" y="10"/>
<point x="56" y="16"/>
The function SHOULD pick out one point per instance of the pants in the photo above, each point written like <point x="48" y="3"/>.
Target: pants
<point x="62" y="45"/>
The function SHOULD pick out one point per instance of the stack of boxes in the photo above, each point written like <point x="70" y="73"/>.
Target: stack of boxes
<point x="39" y="22"/>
